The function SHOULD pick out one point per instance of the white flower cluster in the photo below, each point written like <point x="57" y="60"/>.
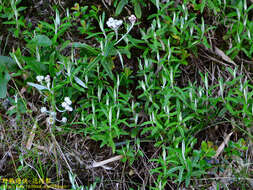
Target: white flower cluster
<point x="114" y="23"/>
<point x="52" y="116"/>
<point x="41" y="79"/>
<point x="66" y="104"/>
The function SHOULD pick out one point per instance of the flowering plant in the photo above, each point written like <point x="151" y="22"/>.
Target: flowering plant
<point x="45" y="84"/>
<point x="115" y="24"/>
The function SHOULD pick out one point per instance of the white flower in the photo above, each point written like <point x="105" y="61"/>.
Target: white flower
<point x="114" y="23"/>
<point x="64" y="104"/>
<point x="64" y="120"/>
<point x="50" y="120"/>
<point x="40" y="78"/>
<point x="67" y="100"/>
<point x="110" y="22"/>
<point x="47" y="79"/>
<point x="132" y="19"/>
<point x="43" y="110"/>
<point x="118" y="23"/>
<point x="69" y="108"/>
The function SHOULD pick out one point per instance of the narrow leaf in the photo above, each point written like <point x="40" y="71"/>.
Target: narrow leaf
<point x="38" y="86"/>
<point x="120" y="6"/>
<point x="3" y="84"/>
<point x="183" y="150"/>
<point x="80" y="82"/>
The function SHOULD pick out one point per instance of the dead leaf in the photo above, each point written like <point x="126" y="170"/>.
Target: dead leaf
<point x="222" y="146"/>
<point x="131" y="172"/>
<point x="223" y="55"/>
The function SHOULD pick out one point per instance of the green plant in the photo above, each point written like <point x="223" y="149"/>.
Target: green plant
<point x="239" y="29"/>
<point x="12" y="13"/>
<point x="137" y="4"/>
<point x="180" y="164"/>
<point x="75" y="186"/>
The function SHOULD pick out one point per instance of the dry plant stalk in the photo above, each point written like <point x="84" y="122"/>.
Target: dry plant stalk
<point x="222" y="146"/>
<point x="32" y="134"/>
<point x="104" y="162"/>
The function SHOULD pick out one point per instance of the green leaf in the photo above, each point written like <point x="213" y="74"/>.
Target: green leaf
<point x="109" y="49"/>
<point x="4" y="79"/>
<point x="172" y="170"/>
<point x="204" y="146"/>
<point x="137" y="8"/>
<point x="64" y="45"/>
<point x="183" y="150"/>
<point x="205" y="43"/>
<point x="229" y="108"/>
<point x="80" y="82"/>
<point x="38" y="86"/>
<point x="8" y="62"/>
<point x="120" y="6"/>
<point x="92" y="64"/>
<point x="180" y="176"/>
<point x="42" y="40"/>
<point x="88" y="49"/>
<point x="47" y="26"/>
<point x="107" y="64"/>
<point x="203" y="3"/>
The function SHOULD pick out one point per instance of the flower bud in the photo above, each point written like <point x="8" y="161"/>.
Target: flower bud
<point x="47" y="79"/>
<point x="132" y="19"/>
<point x="64" y="120"/>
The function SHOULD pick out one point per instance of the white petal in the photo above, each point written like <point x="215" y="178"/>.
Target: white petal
<point x="64" y="104"/>
<point x="68" y="108"/>
<point x="119" y="23"/>
<point x="40" y="78"/>
<point x="43" y="109"/>
<point x="67" y="100"/>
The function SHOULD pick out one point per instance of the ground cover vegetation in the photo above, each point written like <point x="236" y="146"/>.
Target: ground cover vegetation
<point x="126" y="94"/>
